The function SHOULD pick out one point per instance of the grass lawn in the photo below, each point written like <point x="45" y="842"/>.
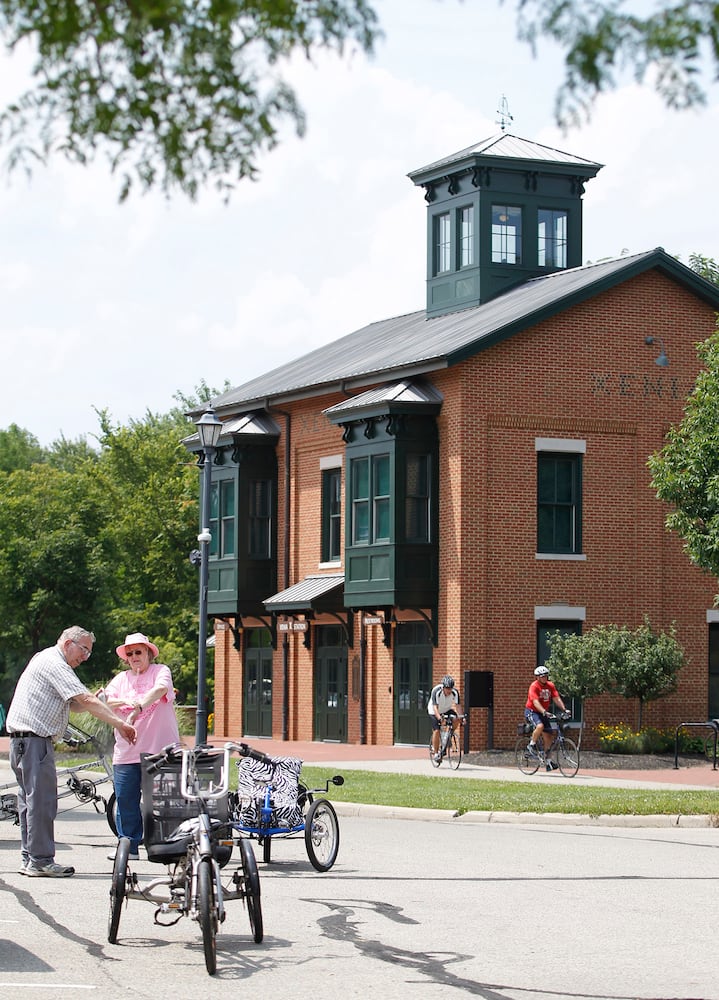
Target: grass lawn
<point x="465" y="795"/>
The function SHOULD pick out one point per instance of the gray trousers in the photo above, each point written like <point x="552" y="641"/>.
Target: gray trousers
<point x="33" y="761"/>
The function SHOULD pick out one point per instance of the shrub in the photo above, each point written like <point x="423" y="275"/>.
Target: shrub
<point x="623" y="739"/>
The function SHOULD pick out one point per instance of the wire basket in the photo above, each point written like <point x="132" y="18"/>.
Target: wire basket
<point x="163" y="805"/>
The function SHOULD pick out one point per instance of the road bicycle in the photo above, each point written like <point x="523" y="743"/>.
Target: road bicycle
<point x="78" y="780"/>
<point x="271" y="802"/>
<point x="450" y="744"/>
<point x="186" y="829"/>
<point x="562" y="753"/>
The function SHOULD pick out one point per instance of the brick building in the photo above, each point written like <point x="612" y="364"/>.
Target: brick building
<point x="437" y="492"/>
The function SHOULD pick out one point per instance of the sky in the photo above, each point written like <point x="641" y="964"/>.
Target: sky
<point x="119" y="307"/>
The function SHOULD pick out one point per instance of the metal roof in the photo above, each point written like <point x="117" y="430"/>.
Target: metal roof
<point x="409" y="345"/>
<point x="510" y="147"/>
<point x="404" y="393"/>
<point x="249" y="424"/>
<point x="304" y="595"/>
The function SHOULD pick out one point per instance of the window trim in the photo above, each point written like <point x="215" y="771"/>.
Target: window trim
<point x="576" y="449"/>
<point x="328" y="469"/>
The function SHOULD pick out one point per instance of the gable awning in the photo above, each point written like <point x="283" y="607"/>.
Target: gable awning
<point x="317" y="593"/>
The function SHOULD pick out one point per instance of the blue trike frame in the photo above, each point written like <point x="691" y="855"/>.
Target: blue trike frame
<point x="274" y="789"/>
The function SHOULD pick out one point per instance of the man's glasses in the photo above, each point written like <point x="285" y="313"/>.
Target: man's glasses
<point x="134" y="652"/>
<point x="87" y="653"/>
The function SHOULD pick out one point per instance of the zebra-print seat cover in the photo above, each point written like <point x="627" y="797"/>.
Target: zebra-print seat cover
<point x="283" y="774"/>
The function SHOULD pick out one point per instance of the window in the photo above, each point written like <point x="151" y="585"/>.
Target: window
<point x="417" y="498"/>
<point x="260" y="518"/>
<point x="380" y="484"/>
<point x="442" y="245"/>
<point x="222" y="519"/>
<point x="506" y="234"/>
<point x="552" y="238"/>
<point x="546" y="629"/>
<point x="331" y="514"/>
<point x="370" y="497"/>
<point x="466" y="236"/>
<point x="559" y="512"/>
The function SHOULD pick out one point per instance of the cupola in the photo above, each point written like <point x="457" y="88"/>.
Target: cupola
<point x="499" y="213"/>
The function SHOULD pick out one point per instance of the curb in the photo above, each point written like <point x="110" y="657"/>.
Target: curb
<point x="535" y="819"/>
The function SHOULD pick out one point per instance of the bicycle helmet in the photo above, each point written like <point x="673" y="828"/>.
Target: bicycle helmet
<point x="541" y="672"/>
<point x="448" y="681"/>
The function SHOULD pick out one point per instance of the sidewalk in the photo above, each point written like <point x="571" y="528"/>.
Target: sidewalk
<point x="415" y="760"/>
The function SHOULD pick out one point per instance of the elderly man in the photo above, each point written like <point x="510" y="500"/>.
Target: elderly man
<point x="46" y="691"/>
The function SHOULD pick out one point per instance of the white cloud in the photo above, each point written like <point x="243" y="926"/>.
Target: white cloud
<point x="120" y="306"/>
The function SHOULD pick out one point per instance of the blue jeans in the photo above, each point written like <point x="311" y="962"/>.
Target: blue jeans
<point x="128" y="785"/>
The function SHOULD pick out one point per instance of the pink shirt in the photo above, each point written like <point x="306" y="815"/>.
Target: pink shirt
<point x="156" y="725"/>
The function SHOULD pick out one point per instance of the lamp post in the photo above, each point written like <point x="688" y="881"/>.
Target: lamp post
<point x="208" y="428"/>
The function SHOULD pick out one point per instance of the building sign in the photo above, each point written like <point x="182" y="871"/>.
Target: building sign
<point x="292" y="626"/>
<point x="373" y="620"/>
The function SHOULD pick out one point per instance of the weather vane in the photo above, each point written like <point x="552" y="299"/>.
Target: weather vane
<point x="505" y="119"/>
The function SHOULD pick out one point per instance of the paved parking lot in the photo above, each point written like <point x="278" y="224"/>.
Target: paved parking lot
<point x="514" y="912"/>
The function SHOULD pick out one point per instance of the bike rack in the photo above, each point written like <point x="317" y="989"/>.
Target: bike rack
<point x="712" y="724"/>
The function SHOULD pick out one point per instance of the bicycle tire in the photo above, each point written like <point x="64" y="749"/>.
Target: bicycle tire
<point x="454" y="752"/>
<point x="266" y="849"/>
<point x="118" y="888"/>
<point x="111" y="813"/>
<point x="435" y="761"/>
<point x="208" y="913"/>
<point x="252" y="890"/>
<point x="568" y="757"/>
<point x="527" y="765"/>
<point x="322" y="835"/>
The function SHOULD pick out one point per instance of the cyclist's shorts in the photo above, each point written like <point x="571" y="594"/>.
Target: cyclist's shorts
<point x="535" y="718"/>
<point x="435" y="721"/>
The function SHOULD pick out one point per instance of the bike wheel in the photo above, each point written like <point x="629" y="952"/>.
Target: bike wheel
<point x="208" y="913"/>
<point x="111" y="813"/>
<point x="267" y="849"/>
<point x="435" y="762"/>
<point x="454" y="752"/>
<point x="322" y="835"/>
<point x="525" y="763"/>
<point x="252" y="890"/>
<point x="568" y="758"/>
<point x="117" y="888"/>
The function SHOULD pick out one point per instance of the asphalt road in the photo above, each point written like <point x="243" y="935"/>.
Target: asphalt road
<point x="506" y="912"/>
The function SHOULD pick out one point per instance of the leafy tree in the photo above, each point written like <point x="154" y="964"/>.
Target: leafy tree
<point x="19" y="449"/>
<point x="578" y="663"/>
<point x="52" y="566"/>
<point x="178" y="93"/>
<point x="600" y="37"/>
<point x="638" y="664"/>
<point x="102" y="538"/>
<point x="707" y="267"/>
<point x="147" y="484"/>
<point x="685" y="473"/>
<point x="649" y="666"/>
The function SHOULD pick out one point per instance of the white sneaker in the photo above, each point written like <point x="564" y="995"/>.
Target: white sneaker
<point x="51" y="870"/>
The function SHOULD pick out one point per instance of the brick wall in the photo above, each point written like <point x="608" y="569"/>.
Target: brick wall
<point x="585" y="374"/>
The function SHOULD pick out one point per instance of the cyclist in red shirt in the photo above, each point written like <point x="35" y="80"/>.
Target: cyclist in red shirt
<point x="542" y="693"/>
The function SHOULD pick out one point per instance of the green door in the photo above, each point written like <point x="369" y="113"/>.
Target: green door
<point x="257" y="700"/>
<point x="330" y="694"/>
<point x="412" y="682"/>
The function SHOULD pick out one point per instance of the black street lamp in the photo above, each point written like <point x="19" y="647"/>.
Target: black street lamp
<point x="208" y="428"/>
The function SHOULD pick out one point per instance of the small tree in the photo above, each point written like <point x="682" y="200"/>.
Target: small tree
<point x="649" y="667"/>
<point x="636" y="664"/>
<point x="577" y="664"/>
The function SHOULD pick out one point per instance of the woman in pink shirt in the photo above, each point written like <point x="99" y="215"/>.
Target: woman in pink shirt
<point x="144" y="695"/>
